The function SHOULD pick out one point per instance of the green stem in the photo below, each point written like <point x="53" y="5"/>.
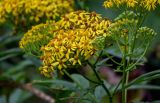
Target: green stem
<point x="103" y="85"/>
<point x="99" y="79"/>
<point x="124" y="94"/>
<point x="116" y="88"/>
<point x="91" y="80"/>
<point x="130" y="67"/>
<point x="126" y="66"/>
<point x="125" y="73"/>
<point x="79" y="85"/>
<point x="108" y="55"/>
<point x="124" y="91"/>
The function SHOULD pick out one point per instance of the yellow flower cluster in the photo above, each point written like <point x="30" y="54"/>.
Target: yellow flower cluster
<point x="33" y="11"/>
<point x="146" y="4"/>
<point x="84" y="20"/>
<point x="36" y="37"/>
<point x="72" y="44"/>
<point x="67" y="49"/>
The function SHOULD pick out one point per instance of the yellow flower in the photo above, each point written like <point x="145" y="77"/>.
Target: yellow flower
<point x="72" y="44"/>
<point x="67" y="51"/>
<point x="28" y="12"/>
<point x="108" y="4"/>
<point x="131" y="3"/>
<point x="60" y="62"/>
<point x="111" y="3"/>
<point x="70" y="40"/>
<point x="46" y="71"/>
<point x="79" y="19"/>
<point x="76" y="59"/>
<point x="150" y="4"/>
<point x="141" y="4"/>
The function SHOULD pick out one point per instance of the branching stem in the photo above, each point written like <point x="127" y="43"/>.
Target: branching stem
<point x="99" y="79"/>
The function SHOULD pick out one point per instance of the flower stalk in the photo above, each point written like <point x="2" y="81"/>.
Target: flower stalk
<point x="99" y="79"/>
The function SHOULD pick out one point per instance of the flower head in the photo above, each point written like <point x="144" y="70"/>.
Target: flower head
<point x="36" y="37"/>
<point x="141" y="4"/>
<point x="66" y="43"/>
<point x="72" y="45"/>
<point x="29" y="12"/>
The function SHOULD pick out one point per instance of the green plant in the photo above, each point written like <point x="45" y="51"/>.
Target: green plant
<point x="72" y="51"/>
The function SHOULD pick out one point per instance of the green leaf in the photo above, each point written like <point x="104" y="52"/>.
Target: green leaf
<point x="84" y="83"/>
<point x="99" y="93"/>
<point x="56" y="84"/>
<point x="138" y="83"/>
<point x="113" y="50"/>
<point x="10" y="51"/>
<point x="7" y="57"/>
<point x="6" y="54"/>
<point x="102" y="62"/>
<point x="19" y="96"/>
<point x="143" y="86"/>
<point x="145" y="77"/>
<point x="9" y="40"/>
<point x="18" y="67"/>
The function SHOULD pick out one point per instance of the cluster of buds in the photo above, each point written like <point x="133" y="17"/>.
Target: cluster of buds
<point x="38" y="36"/>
